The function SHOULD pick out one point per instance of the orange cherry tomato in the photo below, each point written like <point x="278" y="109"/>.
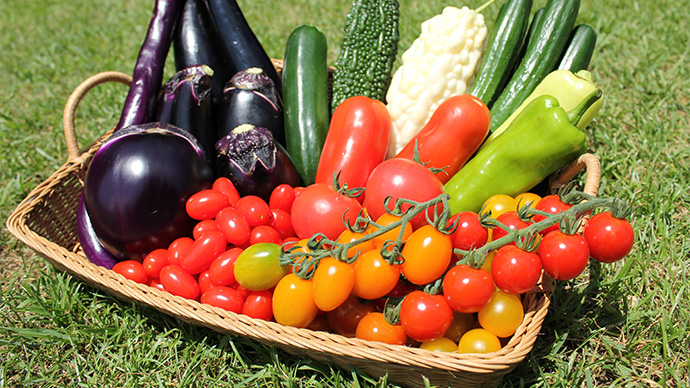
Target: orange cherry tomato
<point x="293" y="301"/>
<point x="374" y="327"/>
<point x="344" y="319"/>
<point x="384" y="220"/>
<point x="374" y="277"/>
<point x="333" y="281"/>
<point x="349" y="236"/>
<point x="427" y="254"/>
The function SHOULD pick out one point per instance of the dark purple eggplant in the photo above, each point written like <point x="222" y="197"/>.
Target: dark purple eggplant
<point x="238" y="41"/>
<point x="196" y="43"/>
<point x="93" y="249"/>
<point x="137" y="185"/>
<point x="254" y="162"/>
<point x="250" y="98"/>
<point x="185" y="102"/>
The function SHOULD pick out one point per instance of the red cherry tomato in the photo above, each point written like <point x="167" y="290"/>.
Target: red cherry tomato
<point x="401" y="178"/>
<point x="282" y="222"/>
<point x="224" y="297"/>
<point x="259" y="305"/>
<point x="202" y="252"/>
<point x="204" y="280"/>
<point x="234" y="226"/>
<point x="222" y="269"/>
<point x="550" y="204"/>
<point x="425" y="317"/>
<point x="204" y="204"/>
<point x="469" y="233"/>
<point x="264" y="233"/>
<point x="132" y="270"/>
<point x="178" y="281"/>
<point x="512" y="221"/>
<point x="178" y="248"/>
<point x="155" y="283"/>
<point x="282" y="197"/>
<point x="374" y="327"/>
<point x="204" y="226"/>
<point x="563" y="256"/>
<point x="514" y="270"/>
<point x="427" y="254"/>
<point x="320" y="209"/>
<point x="225" y="186"/>
<point x="609" y="238"/>
<point x="467" y="289"/>
<point x="254" y="209"/>
<point x="344" y="319"/>
<point x="154" y="261"/>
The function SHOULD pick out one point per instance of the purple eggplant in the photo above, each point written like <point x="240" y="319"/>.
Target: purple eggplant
<point x="93" y="249"/>
<point x="250" y="98"/>
<point x="254" y="162"/>
<point x="137" y="185"/>
<point x="184" y="102"/>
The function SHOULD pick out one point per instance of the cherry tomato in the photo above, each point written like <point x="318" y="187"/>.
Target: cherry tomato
<point x="205" y="204"/>
<point x="204" y="226"/>
<point x="282" y="197"/>
<point x="467" y="289"/>
<point x="348" y="236"/>
<point x="258" y="267"/>
<point x="550" y="204"/>
<point x="225" y="186"/>
<point x="498" y="204"/>
<point x="320" y="209"/>
<point x="462" y="323"/>
<point x="427" y="254"/>
<point x="154" y="261"/>
<point x="384" y="220"/>
<point x="132" y="270"/>
<point x="224" y="297"/>
<point x="479" y="341"/>
<point x="374" y="277"/>
<point x="441" y="344"/>
<point x="514" y="270"/>
<point x="222" y="269"/>
<point x="527" y="198"/>
<point x="401" y="178"/>
<point x="469" y="233"/>
<point x="264" y="234"/>
<point x="609" y="238"/>
<point x="178" y="248"/>
<point x="234" y="225"/>
<point x="502" y="315"/>
<point x="204" y="280"/>
<point x="254" y="209"/>
<point x="155" y="283"/>
<point x="425" y="317"/>
<point x="281" y="221"/>
<point x="344" y="319"/>
<point x="563" y="256"/>
<point x="333" y="282"/>
<point x="293" y="301"/>
<point x="243" y="291"/>
<point x="178" y="281"/>
<point x="202" y="252"/>
<point x="512" y="221"/>
<point x="374" y="327"/>
<point x="259" y="305"/>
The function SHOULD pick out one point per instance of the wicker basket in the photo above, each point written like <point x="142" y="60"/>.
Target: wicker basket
<point x="46" y="222"/>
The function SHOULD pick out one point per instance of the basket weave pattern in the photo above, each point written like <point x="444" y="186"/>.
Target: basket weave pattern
<point x="46" y="222"/>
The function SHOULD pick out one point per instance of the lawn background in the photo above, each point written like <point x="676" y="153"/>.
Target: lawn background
<point x="628" y="326"/>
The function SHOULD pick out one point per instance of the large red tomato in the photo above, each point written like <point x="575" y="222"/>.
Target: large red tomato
<point x="320" y="209"/>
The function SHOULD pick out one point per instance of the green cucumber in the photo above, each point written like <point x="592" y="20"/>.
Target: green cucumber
<point x="502" y="52"/>
<point x="305" y="99"/>
<point x="541" y="57"/>
<point x="579" y="49"/>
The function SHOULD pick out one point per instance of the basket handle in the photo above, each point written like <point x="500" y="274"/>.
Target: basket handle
<point x="592" y="179"/>
<point x="74" y="99"/>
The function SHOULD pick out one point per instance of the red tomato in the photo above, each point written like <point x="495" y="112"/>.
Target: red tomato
<point x="204" y="226"/>
<point x="320" y="209"/>
<point x="154" y="261"/>
<point x="225" y="186"/>
<point x="467" y="289"/>
<point x="563" y="256"/>
<point x="427" y="254"/>
<point x="178" y="248"/>
<point x="425" y="317"/>
<point x="155" y="283"/>
<point x="205" y="204"/>
<point x="333" y="281"/>
<point x="282" y="222"/>
<point x="234" y="226"/>
<point x="550" y="204"/>
<point x="514" y="270"/>
<point x="224" y="297"/>
<point x="259" y="305"/>
<point x="254" y="209"/>
<point x="222" y="269"/>
<point x="469" y="233"/>
<point x="293" y="301"/>
<point x="132" y="270"/>
<point x="451" y="136"/>
<point x="204" y="280"/>
<point x="178" y="281"/>
<point x="609" y="238"/>
<point x="401" y="178"/>
<point x="264" y="233"/>
<point x="512" y="221"/>
<point x="202" y="252"/>
<point x="344" y="319"/>
<point x="282" y="197"/>
<point x="374" y="277"/>
<point x="356" y="143"/>
<point x="374" y="327"/>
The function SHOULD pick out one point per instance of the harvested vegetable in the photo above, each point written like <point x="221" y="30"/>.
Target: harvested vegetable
<point x="440" y="63"/>
<point x="578" y="52"/>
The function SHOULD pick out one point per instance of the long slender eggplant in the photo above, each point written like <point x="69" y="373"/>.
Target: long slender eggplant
<point x="90" y="244"/>
<point x="185" y="101"/>
<point x="250" y="98"/>
<point x="196" y="42"/>
<point x="239" y="41"/>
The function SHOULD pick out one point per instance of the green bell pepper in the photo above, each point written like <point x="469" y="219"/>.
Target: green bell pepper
<point x="542" y="139"/>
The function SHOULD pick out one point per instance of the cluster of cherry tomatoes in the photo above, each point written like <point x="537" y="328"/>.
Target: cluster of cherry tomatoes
<point x="234" y="260"/>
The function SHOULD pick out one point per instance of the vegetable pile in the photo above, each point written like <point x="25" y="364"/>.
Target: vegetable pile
<point x="395" y="205"/>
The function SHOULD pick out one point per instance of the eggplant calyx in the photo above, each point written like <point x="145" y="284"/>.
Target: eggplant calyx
<point x="246" y="145"/>
<point x="256" y="80"/>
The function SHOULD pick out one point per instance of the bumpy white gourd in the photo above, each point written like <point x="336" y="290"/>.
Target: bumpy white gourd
<point x="439" y="64"/>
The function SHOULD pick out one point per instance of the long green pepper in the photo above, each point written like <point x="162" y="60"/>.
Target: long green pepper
<point x="542" y="139"/>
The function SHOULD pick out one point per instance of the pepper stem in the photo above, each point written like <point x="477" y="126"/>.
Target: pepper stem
<point x="575" y="115"/>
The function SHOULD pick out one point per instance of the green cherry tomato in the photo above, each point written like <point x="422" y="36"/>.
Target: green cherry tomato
<point x="258" y="267"/>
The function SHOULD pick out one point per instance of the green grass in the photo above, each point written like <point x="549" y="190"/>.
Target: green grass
<point x="622" y="325"/>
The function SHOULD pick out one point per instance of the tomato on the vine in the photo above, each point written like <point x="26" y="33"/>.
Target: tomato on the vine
<point x="293" y="301"/>
<point x="374" y="327"/>
<point x="467" y="289"/>
<point x="374" y="276"/>
<point x="469" y="233"/>
<point x="425" y="317"/>
<point x="502" y="315"/>
<point x="527" y="198"/>
<point x="321" y="209"/>
<point x="426" y="254"/>
<point x="498" y="204"/>
<point x="609" y="238"/>
<point x="344" y="319"/>
<point x="550" y="204"/>
<point x="479" y="341"/>
<point x="384" y="220"/>
<point x="512" y="221"/>
<point x="333" y="282"/>
<point x="515" y="270"/>
<point x="348" y="236"/>
<point x="563" y="256"/>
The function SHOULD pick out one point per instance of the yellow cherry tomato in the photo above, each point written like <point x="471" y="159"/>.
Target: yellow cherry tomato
<point x="293" y="301"/>
<point x="525" y="198"/>
<point x="502" y="315"/>
<point x="441" y="344"/>
<point x="333" y="281"/>
<point x="479" y="341"/>
<point x="499" y="204"/>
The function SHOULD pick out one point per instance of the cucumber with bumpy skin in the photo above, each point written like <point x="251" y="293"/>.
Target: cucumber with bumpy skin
<point x="579" y="50"/>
